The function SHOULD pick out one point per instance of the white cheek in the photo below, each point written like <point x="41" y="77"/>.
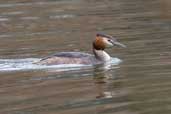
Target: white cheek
<point x="110" y="45"/>
<point x="107" y="43"/>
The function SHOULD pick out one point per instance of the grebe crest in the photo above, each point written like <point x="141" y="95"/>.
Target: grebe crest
<point x="100" y="43"/>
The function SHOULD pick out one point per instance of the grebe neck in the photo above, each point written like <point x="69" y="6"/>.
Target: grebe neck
<point x="101" y="55"/>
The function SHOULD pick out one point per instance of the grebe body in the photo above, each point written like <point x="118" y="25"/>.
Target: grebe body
<point x="99" y="55"/>
<point x="69" y="58"/>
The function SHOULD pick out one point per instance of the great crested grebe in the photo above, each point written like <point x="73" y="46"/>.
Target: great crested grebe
<point x="101" y="42"/>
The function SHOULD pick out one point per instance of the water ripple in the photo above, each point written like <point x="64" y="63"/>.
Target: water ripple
<point x="28" y="64"/>
<point x="26" y="4"/>
<point x="64" y="16"/>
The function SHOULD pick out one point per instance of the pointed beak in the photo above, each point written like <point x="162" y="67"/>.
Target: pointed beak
<point x="119" y="44"/>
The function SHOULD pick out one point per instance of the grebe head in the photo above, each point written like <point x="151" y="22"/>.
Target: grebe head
<point x="103" y="41"/>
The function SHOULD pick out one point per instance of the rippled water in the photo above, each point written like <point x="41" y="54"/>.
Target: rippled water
<point x="27" y="64"/>
<point x="32" y="29"/>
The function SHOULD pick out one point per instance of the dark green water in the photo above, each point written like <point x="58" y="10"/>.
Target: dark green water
<point x="141" y="84"/>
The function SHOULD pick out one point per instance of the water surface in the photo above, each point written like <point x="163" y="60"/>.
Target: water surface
<point x="35" y="29"/>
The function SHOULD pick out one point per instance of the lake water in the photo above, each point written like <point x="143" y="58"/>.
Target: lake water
<point x="33" y="29"/>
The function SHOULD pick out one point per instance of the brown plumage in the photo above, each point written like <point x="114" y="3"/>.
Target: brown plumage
<point x="98" y="44"/>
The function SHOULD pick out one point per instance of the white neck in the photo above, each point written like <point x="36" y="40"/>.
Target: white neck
<point x="101" y="55"/>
